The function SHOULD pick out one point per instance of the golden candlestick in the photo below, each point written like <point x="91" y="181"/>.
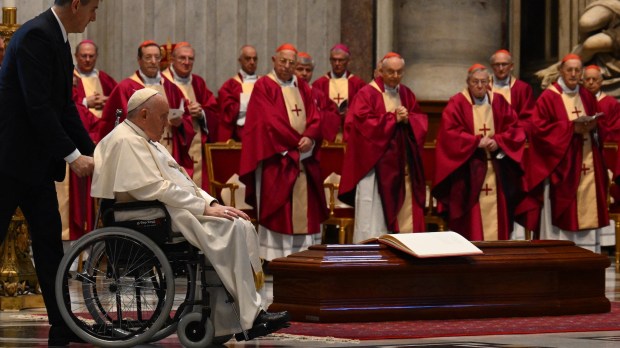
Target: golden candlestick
<point x="9" y="23"/>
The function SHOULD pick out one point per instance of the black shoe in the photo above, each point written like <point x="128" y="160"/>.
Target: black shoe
<point x="272" y="319"/>
<point x="62" y="336"/>
<point x="264" y="324"/>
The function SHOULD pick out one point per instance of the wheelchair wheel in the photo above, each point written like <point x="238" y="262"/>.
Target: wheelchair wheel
<point x="121" y="294"/>
<point x="181" y="302"/>
<point x="192" y="333"/>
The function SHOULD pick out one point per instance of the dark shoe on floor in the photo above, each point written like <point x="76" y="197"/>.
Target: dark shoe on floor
<point x="272" y="319"/>
<point x="264" y="324"/>
<point x="61" y="336"/>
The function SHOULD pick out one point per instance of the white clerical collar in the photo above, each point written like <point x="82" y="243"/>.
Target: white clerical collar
<point x="246" y="77"/>
<point x="391" y="90"/>
<point x="183" y="80"/>
<point x="598" y="94"/>
<point x="501" y="83"/>
<point x="94" y="72"/>
<point x="482" y="101"/>
<point x="291" y="83"/>
<point x="62" y="27"/>
<point x="136" y="129"/>
<point x="150" y="80"/>
<point x="343" y="76"/>
<point x="566" y="89"/>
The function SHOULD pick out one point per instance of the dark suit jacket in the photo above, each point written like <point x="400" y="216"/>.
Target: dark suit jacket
<point x="39" y="123"/>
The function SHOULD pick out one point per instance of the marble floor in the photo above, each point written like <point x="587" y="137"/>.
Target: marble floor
<point x="26" y="328"/>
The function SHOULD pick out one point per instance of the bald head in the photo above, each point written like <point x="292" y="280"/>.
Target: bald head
<point x="248" y="59"/>
<point x="593" y="80"/>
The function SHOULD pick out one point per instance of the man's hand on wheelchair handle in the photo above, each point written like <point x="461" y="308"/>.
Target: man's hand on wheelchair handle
<point x="225" y="212"/>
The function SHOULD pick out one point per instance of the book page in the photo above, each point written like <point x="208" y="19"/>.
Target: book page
<point x="583" y="119"/>
<point x="431" y="244"/>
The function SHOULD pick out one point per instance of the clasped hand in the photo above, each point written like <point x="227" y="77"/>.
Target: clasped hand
<point x="585" y="127"/>
<point x="488" y="144"/>
<point x="402" y="114"/>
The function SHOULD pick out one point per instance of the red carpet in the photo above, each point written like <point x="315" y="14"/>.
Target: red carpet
<point x="468" y="327"/>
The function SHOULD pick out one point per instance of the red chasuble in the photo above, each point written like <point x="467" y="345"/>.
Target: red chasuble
<point x="330" y="118"/>
<point x="81" y="204"/>
<point x="355" y="84"/>
<point x="556" y="153"/>
<point x="461" y="166"/>
<point x="107" y="85"/>
<point x="267" y="134"/>
<point x="181" y="137"/>
<point x="610" y="123"/>
<point x="229" y="102"/>
<point x="207" y="100"/>
<point x="377" y="141"/>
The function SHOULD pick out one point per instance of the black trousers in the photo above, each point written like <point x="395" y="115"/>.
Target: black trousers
<point x="39" y="204"/>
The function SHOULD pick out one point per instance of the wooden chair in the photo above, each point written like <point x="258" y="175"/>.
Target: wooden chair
<point x="610" y="154"/>
<point x="223" y="161"/>
<point x="431" y="216"/>
<point x="331" y="157"/>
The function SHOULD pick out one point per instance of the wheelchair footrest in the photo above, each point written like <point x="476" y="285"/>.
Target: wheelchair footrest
<point x="259" y="330"/>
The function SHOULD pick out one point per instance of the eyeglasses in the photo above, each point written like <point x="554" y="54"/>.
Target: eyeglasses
<point x="501" y="65"/>
<point x="284" y="61"/>
<point x="479" y="82"/>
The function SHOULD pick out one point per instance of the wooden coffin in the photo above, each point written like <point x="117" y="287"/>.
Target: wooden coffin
<point x="346" y="283"/>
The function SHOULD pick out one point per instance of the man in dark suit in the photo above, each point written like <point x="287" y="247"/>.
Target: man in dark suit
<point x="40" y="130"/>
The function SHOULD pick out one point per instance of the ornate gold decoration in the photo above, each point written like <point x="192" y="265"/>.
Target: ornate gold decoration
<point x="17" y="273"/>
<point x="9" y="23"/>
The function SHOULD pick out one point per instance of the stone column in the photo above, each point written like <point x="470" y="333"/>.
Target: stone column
<point x="440" y="39"/>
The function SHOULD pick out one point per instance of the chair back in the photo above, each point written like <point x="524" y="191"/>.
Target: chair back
<point x="223" y="160"/>
<point x="331" y="158"/>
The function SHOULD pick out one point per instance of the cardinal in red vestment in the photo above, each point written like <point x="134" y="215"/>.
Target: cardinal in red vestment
<point x="478" y="160"/>
<point x="566" y="149"/>
<point x="382" y="174"/>
<point x="279" y="166"/>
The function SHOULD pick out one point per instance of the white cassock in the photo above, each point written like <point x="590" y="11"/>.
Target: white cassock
<point x="129" y="166"/>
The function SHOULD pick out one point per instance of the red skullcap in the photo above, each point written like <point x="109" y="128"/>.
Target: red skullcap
<point x="342" y="47"/>
<point x="476" y="67"/>
<point x="503" y="51"/>
<point x="182" y="44"/>
<point x="594" y="67"/>
<point x="87" y="42"/>
<point x="304" y="55"/>
<point x="286" y="47"/>
<point x="148" y="43"/>
<point x="391" y="55"/>
<point x="570" y="56"/>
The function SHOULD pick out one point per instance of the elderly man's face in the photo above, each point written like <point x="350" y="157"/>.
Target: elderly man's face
<point x="149" y="63"/>
<point x="284" y="64"/>
<point x="571" y="72"/>
<point x="592" y="80"/>
<point x="392" y="71"/>
<point x="248" y="60"/>
<point x="502" y="65"/>
<point x="304" y="71"/>
<point x="86" y="57"/>
<point x="478" y="83"/>
<point x="156" y="118"/>
<point x="183" y="61"/>
<point x="339" y="61"/>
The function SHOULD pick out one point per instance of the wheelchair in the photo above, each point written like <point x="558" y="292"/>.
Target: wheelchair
<point x="116" y="285"/>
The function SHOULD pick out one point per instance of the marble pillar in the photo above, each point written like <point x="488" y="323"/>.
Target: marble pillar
<point x="441" y="39"/>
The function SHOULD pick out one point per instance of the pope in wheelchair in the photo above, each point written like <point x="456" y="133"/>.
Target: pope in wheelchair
<point x="130" y="165"/>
